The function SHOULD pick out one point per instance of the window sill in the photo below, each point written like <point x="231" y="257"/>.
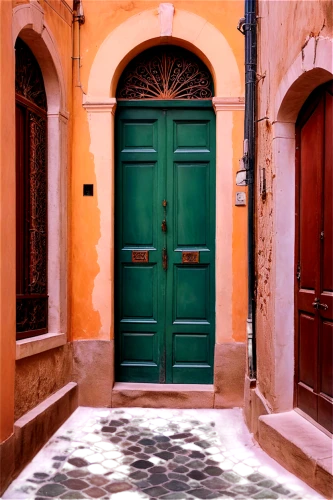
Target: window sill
<point x="35" y="345"/>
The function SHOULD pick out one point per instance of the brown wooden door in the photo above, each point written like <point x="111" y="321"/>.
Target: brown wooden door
<point x="314" y="245"/>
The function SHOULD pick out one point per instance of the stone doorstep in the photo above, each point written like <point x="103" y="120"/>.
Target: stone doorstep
<point x="183" y="396"/>
<point x="300" y="447"/>
<point x="35" y="427"/>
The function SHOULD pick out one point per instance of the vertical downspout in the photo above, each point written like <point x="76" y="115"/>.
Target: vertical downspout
<point x="249" y="30"/>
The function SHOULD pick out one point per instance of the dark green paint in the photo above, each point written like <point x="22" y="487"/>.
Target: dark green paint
<point x="165" y="320"/>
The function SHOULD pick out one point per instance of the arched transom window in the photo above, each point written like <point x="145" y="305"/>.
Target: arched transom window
<point x="165" y="72"/>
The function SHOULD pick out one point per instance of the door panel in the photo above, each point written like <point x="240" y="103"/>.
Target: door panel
<point x="165" y="319"/>
<point x="191" y="293"/>
<point x="139" y="191"/>
<point x="314" y="245"/>
<point x="139" y="310"/>
<point x="190" y="316"/>
<point x="191" y="204"/>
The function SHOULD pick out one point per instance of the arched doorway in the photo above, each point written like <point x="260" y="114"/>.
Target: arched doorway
<point x="313" y="257"/>
<point x="165" y="219"/>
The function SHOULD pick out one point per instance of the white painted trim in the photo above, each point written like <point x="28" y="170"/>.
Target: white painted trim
<point x="228" y="104"/>
<point x="28" y="23"/>
<point x="144" y="29"/>
<point x="95" y="105"/>
<point x="311" y="68"/>
<point x="42" y="343"/>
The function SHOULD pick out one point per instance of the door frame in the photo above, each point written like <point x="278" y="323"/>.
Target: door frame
<point x="126" y="41"/>
<point x="101" y="117"/>
<point x="312" y="67"/>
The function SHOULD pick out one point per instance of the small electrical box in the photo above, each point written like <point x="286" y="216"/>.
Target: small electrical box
<point x="240" y="199"/>
<point x="88" y="190"/>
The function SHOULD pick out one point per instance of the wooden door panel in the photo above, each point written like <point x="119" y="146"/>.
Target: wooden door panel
<point x="307" y="350"/>
<point x="307" y="401"/>
<point x="139" y="298"/>
<point x="191" y="205"/>
<point x="139" y="136"/>
<point x="325" y="413"/>
<point x="314" y="247"/>
<point x="139" y="214"/>
<point x="326" y="355"/>
<point x="165" y="318"/>
<point x="327" y="261"/>
<point x="311" y="160"/>
<point x="191" y="297"/>
<point x="191" y="136"/>
<point x="190" y="313"/>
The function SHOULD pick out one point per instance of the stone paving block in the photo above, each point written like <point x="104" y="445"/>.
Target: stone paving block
<point x="158" y="457"/>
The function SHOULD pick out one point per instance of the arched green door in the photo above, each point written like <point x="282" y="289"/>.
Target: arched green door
<point x="165" y="242"/>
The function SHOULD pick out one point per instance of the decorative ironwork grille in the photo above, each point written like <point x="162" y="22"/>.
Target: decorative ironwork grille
<point x="31" y="197"/>
<point x="28" y="76"/>
<point x="166" y="72"/>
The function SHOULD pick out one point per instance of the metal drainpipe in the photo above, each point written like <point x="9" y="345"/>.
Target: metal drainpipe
<point x="249" y="30"/>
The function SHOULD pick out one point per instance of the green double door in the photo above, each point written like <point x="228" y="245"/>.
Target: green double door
<point x="165" y="243"/>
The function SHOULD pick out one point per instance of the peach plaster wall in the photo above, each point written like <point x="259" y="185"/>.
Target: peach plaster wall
<point x="281" y="95"/>
<point x="138" y="32"/>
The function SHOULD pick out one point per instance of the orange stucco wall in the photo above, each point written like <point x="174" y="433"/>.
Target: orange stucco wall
<point x="86" y="225"/>
<point x="86" y="219"/>
<point x="7" y="222"/>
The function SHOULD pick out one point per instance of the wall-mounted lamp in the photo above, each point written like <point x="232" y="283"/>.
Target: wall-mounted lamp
<point x="244" y="175"/>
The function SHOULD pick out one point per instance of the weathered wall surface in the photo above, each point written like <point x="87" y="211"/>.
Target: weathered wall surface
<point x="38" y="376"/>
<point x="284" y="30"/>
<point x="88" y="221"/>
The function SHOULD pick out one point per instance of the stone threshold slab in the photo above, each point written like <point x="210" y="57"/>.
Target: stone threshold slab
<point x="300" y="447"/>
<point x="162" y="395"/>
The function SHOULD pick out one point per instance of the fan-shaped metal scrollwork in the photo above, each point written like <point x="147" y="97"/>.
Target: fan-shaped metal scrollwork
<point x="170" y="73"/>
<point x="28" y="76"/>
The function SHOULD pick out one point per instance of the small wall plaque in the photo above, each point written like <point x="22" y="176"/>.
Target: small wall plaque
<point x="190" y="257"/>
<point x="140" y="256"/>
<point x="240" y="199"/>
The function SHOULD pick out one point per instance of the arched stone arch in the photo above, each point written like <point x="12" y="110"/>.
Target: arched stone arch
<point x="311" y="68"/>
<point x="142" y="31"/>
<point x="28" y="23"/>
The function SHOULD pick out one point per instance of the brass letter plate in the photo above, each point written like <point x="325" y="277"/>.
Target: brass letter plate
<point x="190" y="257"/>
<point x="140" y="256"/>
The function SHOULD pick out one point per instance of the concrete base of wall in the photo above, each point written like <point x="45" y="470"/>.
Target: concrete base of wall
<point x="255" y="405"/>
<point x="7" y="462"/>
<point x="300" y="447"/>
<point x="162" y="395"/>
<point x="229" y="369"/>
<point x="35" y="428"/>
<point x="93" y="371"/>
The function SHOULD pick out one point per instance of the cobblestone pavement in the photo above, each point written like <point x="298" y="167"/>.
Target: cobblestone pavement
<point x="136" y="453"/>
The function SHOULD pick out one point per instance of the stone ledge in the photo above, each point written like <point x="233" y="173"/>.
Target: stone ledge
<point x="35" y="428"/>
<point x="162" y="395"/>
<point x="300" y="447"/>
<point x="41" y="343"/>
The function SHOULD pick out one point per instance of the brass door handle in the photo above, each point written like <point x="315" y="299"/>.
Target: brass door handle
<point x="164" y="259"/>
<point x="317" y="305"/>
